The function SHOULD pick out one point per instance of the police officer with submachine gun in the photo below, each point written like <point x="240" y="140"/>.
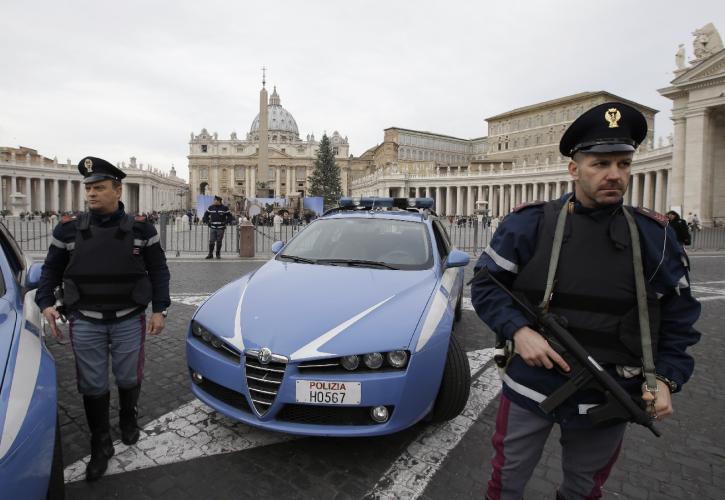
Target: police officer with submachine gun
<point x="592" y="305"/>
<point x="217" y="216"/>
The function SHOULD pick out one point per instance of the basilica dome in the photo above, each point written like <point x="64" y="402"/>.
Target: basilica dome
<point x="278" y="119"/>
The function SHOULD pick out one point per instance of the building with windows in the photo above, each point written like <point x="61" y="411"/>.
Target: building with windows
<point x="32" y="182"/>
<point x="519" y="161"/>
<point x="270" y="161"/>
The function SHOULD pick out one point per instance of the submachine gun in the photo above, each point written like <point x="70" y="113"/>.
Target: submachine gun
<point x="585" y="371"/>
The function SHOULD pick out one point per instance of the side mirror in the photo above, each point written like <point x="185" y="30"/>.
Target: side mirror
<point x="457" y="258"/>
<point x="277" y="246"/>
<point x="32" y="277"/>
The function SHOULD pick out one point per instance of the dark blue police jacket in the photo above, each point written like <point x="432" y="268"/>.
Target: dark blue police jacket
<point x="59" y="255"/>
<point x="665" y="266"/>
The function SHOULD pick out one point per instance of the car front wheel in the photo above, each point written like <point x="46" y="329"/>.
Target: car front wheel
<point x="455" y="385"/>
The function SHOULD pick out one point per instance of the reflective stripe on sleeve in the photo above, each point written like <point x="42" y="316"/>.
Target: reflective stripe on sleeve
<point x="57" y="243"/>
<point x="500" y="261"/>
<point x="139" y="243"/>
<point x="153" y="240"/>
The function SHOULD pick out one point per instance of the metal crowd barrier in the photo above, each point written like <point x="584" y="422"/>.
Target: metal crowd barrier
<point x="471" y="236"/>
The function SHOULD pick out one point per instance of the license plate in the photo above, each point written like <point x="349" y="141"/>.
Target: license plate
<point x="325" y="392"/>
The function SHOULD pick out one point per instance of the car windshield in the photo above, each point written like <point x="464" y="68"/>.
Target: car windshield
<point x="355" y="241"/>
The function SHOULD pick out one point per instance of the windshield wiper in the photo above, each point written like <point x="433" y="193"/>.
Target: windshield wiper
<point x="357" y="262"/>
<point x="296" y="258"/>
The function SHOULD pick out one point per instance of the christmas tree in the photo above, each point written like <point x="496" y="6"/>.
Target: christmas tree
<point x="325" y="179"/>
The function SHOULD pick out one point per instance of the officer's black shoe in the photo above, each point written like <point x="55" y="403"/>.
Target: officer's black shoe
<point x="218" y="256"/>
<point x="210" y="256"/>
<point x="101" y="445"/>
<point x="128" y="399"/>
<point x="101" y="451"/>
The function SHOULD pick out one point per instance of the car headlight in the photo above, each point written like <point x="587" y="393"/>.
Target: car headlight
<point x="350" y="362"/>
<point x="373" y="360"/>
<point x="214" y="342"/>
<point x="397" y="359"/>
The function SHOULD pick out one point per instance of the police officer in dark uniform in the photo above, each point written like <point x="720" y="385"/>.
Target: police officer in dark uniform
<point x="110" y="265"/>
<point x="217" y="216"/>
<point x="592" y="281"/>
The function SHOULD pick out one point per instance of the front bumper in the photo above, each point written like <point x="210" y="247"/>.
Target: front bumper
<point x="408" y="394"/>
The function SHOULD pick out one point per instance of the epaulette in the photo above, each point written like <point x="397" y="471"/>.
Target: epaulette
<point x="527" y="205"/>
<point x="662" y="220"/>
<point x="140" y="218"/>
<point x="67" y="218"/>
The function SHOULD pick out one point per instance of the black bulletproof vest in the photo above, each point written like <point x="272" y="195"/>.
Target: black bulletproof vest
<point x="106" y="272"/>
<point x="594" y="285"/>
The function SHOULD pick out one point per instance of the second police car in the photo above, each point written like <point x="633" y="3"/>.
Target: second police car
<point x="346" y="331"/>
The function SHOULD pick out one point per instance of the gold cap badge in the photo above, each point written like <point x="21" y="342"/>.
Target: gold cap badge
<point x="88" y="163"/>
<point x="613" y="116"/>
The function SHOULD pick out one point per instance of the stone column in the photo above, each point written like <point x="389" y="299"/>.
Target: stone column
<point x="29" y="194"/>
<point x="277" y="181"/>
<point x="41" y="194"/>
<point x="438" y="201"/>
<point x="635" y="190"/>
<point x="480" y="193"/>
<point x="676" y="181"/>
<point x="500" y="200"/>
<point x="469" y="201"/>
<point x="449" y="200"/>
<point x="659" y="202"/>
<point x="512" y="197"/>
<point x="54" y="195"/>
<point x="68" y="196"/>
<point x="696" y="159"/>
<point x="82" y="195"/>
<point x="647" y="191"/>
<point x="459" y="200"/>
<point x="547" y="194"/>
<point x="253" y="181"/>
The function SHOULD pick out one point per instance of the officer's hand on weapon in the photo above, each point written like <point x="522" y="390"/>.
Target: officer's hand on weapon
<point x="536" y="351"/>
<point x="51" y="315"/>
<point x="157" y="323"/>
<point x="659" y="404"/>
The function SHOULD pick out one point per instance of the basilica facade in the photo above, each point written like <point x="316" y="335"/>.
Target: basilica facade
<point x="271" y="161"/>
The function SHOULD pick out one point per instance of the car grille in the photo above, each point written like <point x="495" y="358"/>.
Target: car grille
<point x="225" y="395"/>
<point x="328" y="415"/>
<point x="263" y="381"/>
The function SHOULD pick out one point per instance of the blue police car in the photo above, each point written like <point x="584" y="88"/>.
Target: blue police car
<point x="346" y="331"/>
<point x="31" y="464"/>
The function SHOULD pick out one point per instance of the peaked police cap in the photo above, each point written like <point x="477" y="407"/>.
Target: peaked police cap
<point x="96" y="169"/>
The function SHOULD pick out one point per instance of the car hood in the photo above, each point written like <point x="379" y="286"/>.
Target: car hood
<point x="306" y="311"/>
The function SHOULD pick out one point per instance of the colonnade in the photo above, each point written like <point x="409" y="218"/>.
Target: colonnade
<point x="646" y="189"/>
<point x="20" y="193"/>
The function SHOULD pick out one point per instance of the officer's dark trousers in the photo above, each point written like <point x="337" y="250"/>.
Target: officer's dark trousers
<point x="587" y="455"/>
<point x="92" y="344"/>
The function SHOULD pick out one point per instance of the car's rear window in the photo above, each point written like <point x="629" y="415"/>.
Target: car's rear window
<point x="398" y="243"/>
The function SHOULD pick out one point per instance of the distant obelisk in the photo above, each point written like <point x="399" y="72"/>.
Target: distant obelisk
<point x="263" y="156"/>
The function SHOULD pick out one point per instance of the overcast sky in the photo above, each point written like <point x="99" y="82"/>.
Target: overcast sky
<point x="134" y="78"/>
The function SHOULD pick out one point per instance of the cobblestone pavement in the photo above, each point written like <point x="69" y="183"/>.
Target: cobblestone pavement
<point x="429" y="462"/>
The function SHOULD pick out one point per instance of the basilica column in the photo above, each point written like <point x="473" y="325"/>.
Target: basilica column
<point x="68" y="196"/>
<point x="29" y="193"/>
<point x="253" y="181"/>
<point x="277" y="181"/>
<point x="288" y="182"/>
<point x="438" y="201"/>
<point x="512" y="197"/>
<point x="469" y="200"/>
<point x="547" y="194"/>
<point x="558" y="190"/>
<point x="459" y="200"/>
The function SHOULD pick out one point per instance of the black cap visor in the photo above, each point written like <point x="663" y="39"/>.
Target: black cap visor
<point x="604" y="147"/>
<point x="99" y="177"/>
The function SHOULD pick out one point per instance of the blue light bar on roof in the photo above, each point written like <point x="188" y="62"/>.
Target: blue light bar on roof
<point x="371" y="202"/>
